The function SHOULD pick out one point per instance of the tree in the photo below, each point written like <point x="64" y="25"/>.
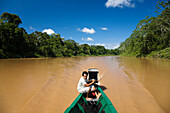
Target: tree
<point x="71" y="48"/>
<point x="16" y="43"/>
<point x="85" y="49"/>
<point x="11" y="18"/>
<point x="151" y="33"/>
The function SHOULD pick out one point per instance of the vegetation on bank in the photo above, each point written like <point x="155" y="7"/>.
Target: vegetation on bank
<point x="15" y="42"/>
<point x="151" y="36"/>
<point x="165" y="53"/>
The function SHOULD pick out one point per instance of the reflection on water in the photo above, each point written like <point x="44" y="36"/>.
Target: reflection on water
<point x="49" y="85"/>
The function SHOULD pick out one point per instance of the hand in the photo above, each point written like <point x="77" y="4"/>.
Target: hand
<point x="93" y="80"/>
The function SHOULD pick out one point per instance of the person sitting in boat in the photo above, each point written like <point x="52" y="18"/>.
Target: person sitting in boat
<point x="83" y="86"/>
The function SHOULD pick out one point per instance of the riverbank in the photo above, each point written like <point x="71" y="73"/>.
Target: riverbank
<point x="41" y="57"/>
<point x="162" y="54"/>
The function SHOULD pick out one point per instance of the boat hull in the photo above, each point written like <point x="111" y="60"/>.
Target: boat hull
<point x="81" y="105"/>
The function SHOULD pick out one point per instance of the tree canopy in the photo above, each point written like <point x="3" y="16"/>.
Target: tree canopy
<point x="11" y="18"/>
<point x="151" y="34"/>
<point x="16" y="43"/>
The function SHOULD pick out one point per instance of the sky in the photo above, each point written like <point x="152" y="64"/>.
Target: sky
<point x="93" y="22"/>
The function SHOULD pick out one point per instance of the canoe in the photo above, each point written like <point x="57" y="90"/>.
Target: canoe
<point x="101" y="105"/>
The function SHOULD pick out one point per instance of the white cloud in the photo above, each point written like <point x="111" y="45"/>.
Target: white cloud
<point x="116" y="46"/>
<point x="100" y="44"/>
<point x="104" y="28"/>
<point x="108" y="45"/>
<point x="32" y="28"/>
<point x="48" y="31"/>
<point x="86" y="30"/>
<point x="87" y="39"/>
<point x="121" y="3"/>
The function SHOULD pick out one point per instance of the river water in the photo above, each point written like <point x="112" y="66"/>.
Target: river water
<point x="49" y="85"/>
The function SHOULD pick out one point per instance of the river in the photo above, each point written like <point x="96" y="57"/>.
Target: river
<point x="48" y="85"/>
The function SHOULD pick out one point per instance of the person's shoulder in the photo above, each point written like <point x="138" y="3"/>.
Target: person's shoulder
<point x="82" y="79"/>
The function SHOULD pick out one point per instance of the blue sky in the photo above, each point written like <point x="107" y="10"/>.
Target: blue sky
<point x="95" y="22"/>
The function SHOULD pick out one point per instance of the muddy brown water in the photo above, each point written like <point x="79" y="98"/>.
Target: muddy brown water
<point x="49" y="85"/>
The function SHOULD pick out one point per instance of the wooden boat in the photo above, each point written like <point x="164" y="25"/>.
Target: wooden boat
<point x="101" y="105"/>
<point x="81" y="105"/>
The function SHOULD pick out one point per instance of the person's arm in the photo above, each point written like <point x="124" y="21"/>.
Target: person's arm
<point x="89" y="83"/>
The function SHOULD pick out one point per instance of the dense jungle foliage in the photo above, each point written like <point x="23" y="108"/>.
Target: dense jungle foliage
<point x="16" y="43"/>
<point x="151" y="36"/>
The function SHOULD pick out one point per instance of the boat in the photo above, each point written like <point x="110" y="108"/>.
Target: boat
<point x="95" y="105"/>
